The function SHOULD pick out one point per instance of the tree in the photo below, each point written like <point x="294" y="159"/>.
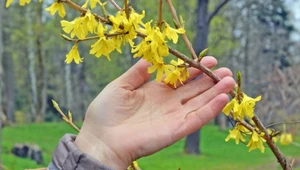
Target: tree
<point x="31" y="60"/>
<point x="200" y="42"/>
<point x="42" y="79"/>
<point x="1" y="73"/>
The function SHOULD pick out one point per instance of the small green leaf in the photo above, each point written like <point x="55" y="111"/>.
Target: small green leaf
<point x="202" y="54"/>
<point x="70" y="116"/>
<point x="65" y="37"/>
<point x="55" y="105"/>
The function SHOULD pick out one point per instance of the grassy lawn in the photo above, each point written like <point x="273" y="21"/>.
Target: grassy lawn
<point x="216" y="153"/>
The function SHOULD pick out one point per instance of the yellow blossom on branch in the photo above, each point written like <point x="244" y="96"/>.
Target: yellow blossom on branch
<point x="173" y="78"/>
<point x="73" y="55"/>
<point x="171" y="33"/>
<point x="89" y="22"/>
<point x="256" y="141"/>
<point x="57" y="6"/>
<point x="74" y="28"/>
<point x="126" y="27"/>
<point x="153" y="47"/>
<point x="240" y="109"/>
<point x="237" y="134"/>
<point x="161" y="69"/>
<point x="93" y="3"/>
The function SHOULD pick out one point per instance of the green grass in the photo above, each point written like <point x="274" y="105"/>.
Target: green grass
<point x="216" y="153"/>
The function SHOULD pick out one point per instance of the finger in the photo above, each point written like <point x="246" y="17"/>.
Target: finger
<point x="224" y="86"/>
<point x="203" y="115"/>
<point x="136" y="76"/>
<point x="199" y="85"/>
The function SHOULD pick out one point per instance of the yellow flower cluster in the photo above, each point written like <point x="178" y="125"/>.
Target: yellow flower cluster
<point x="242" y="108"/>
<point x="153" y="48"/>
<point x="237" y="134"/>
<point x="256" y="141"/>
<point x="57" y="7"/>
<point x="124" y="29"/>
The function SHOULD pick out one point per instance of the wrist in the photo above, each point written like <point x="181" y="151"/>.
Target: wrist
<point x="96" y="148"/>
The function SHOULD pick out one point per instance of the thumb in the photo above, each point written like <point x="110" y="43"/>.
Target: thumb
<point x="136" y="76"/>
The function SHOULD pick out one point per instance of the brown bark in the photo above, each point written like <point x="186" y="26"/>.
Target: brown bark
<point x="42" y="79"/>
<point x="1" y="73"/>
<point x="9" y="86"/>
<point x="200" y="42"/>
<point x="31" y="61"/>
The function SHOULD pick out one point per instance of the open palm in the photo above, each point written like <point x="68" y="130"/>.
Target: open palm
<point x="133" y="117"/>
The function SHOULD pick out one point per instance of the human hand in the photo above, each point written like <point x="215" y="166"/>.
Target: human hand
<point x="132" y="117"/>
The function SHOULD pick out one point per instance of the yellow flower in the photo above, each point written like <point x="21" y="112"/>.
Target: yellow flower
<point x="93" y="3"/>
<point x="73" y="55"/>
<point x="161" y="70"/>
<point x="8" y="3"/>
<point x="173" y="78"/>
<point x="74" y="27"/>
<point x="89" y="22"/>
<point x="101" y="30"/>
<point x="256" y="141"/>
<point x="237" y="134"/>
<point x="248" y="104"/>
<point x="126" y="27"/>
<point x="246" y="107"/>
<point x="57" y="6"/>
<point x="24" y="2"/>
<point x="180" y="66"/>
<point x="171" y="33"/>
<point x="235" y="106"/>
<point x="286" y="138"/>
<point x="103" y="46"/>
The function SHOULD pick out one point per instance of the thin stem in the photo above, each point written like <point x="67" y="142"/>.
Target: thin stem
<point x="89" y="38"/>
<point x="279" y="155"/>
<point x="67" y="119"/>
<point x="184" y="36"/>
<point x="83" y="10"/>
<point x="115" y="5"/>
<point x="126" y="8"/>
<point x="103" y="11"/>
<point x="280" y="123"/>
<point x="160" y="7"/>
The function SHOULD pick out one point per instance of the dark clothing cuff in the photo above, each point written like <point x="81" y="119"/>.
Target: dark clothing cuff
<point x="68" y="157"/>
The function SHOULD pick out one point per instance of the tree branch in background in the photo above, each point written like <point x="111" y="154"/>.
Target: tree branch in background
<point x="281" y="123"/>
<point x="178" y="24"/>
<point x="115" y="5"/>
<point x="217" y="9"/>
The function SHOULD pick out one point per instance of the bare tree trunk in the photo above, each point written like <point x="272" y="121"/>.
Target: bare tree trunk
<point x="246" y="48"/>
<point x="31" y="60"/>
<point x="9" y="83"/>
<point x="192" y="143"/>
<point x="82" y="92"/>
<point x="68" y="86"/>
<point x="1" y="73"/>
<point x="42" y="79"/>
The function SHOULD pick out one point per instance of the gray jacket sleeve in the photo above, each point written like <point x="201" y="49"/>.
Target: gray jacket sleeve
<point x="68" y="157"/>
